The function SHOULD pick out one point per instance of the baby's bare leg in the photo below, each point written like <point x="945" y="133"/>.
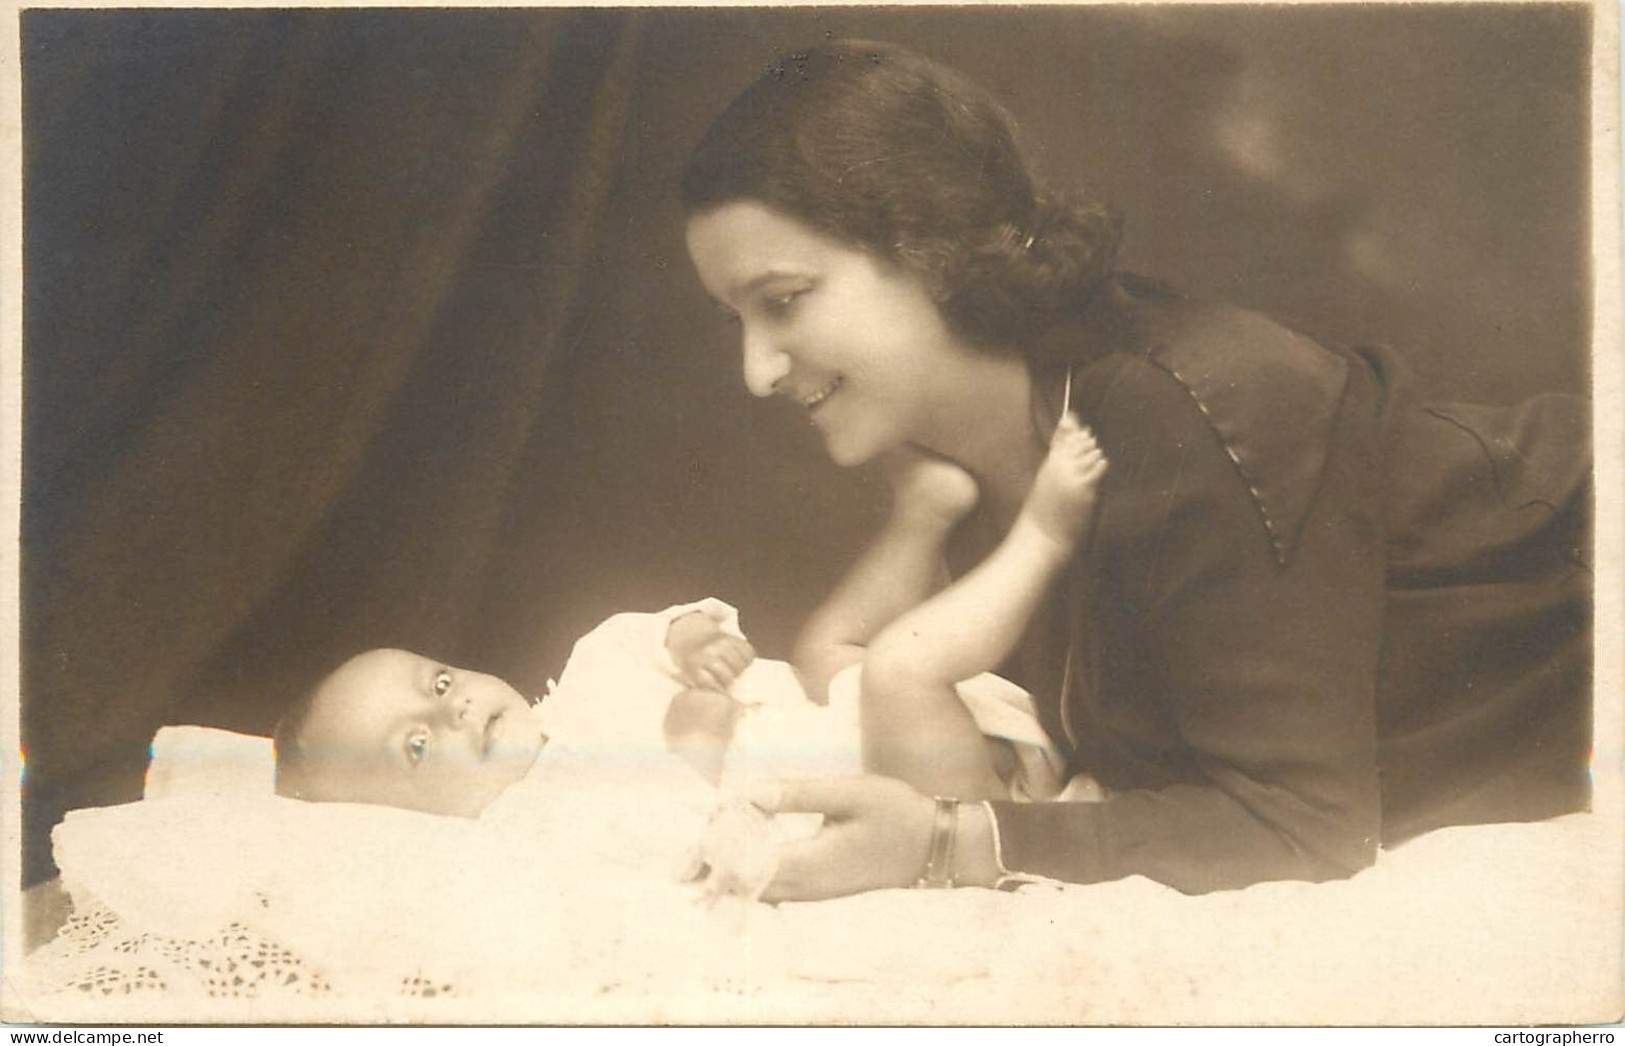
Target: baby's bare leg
<point x="973" y="625"/>
<point x="900" y="568"/>
<point x="699" y="727"/>
<point x="1001" y="757"/>
<point x="915" y="727"/>
<point x="1062" y="500"/>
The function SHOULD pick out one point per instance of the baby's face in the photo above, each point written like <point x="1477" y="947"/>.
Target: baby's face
<point x="399" y="729"/>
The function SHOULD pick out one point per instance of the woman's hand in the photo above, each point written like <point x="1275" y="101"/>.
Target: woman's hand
<point x="876" y="834"/>
<point x="928" y="487"/>
<point x="707" y="657"/>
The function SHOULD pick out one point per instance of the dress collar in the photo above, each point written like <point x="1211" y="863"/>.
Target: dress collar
<point x="1270" y="394"/>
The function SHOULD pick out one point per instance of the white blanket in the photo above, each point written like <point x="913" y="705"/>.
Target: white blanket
<point x="252" y="911"/>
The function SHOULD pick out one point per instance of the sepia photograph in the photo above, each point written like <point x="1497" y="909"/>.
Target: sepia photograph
<point x="1072" y="514"/>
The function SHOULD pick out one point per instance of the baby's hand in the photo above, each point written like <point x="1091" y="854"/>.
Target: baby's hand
<point x="928" y="486"/>
<point x="1064" y="491"/>
<point x="707" y="657"/>
<point x="739" y="851"/>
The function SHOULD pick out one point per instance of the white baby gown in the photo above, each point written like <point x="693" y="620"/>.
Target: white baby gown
<point x="605" y="790"/>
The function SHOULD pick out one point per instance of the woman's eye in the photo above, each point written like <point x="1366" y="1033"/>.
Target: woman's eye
<point x="416" y="745"/>
<point x="781" y="304"/>
<point x="442" y="683"/>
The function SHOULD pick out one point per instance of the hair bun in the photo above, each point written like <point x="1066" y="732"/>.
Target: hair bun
<point x="1078" y="239"/>
<point x="1027" y="277"/>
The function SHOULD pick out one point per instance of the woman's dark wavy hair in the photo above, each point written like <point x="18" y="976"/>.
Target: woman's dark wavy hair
<point x="890" y="152"/>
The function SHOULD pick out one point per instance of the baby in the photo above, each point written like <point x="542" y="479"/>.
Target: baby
<point x="607" y="770"/>
<point x="399" y="729"/>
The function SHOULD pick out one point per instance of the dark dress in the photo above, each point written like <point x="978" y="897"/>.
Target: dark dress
<point x="1313" y="615"/>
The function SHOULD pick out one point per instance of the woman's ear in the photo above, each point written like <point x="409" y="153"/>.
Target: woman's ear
<point x="924" y="265"/>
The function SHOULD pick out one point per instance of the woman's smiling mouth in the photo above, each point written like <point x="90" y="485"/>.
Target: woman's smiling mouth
<point x="811" y="400"/>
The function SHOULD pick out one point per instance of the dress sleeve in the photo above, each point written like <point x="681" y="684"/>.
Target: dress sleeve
<point x="1259" y="675"/>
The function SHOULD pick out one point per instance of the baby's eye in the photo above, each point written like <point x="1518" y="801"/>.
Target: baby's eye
<point x="416" y="745"/>
<point x="442" y="683"/>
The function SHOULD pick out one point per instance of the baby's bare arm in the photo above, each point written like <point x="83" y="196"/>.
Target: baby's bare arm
<point x="699" y="727"/>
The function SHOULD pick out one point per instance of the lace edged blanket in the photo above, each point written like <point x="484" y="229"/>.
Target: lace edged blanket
<point x="1497" y="924"/>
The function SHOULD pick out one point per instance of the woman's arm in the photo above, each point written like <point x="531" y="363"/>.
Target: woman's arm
<point x="900" y="568"/>
<point x="876" y="835"/>
<point x="1263" y="673"/>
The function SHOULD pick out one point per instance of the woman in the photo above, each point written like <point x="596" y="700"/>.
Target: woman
<point x="1313" y="615"/>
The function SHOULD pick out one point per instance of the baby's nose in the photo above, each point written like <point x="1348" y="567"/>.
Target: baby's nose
<point x="458" y="707"/>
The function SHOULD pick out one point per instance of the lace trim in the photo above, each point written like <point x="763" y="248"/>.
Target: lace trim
<point x="97" y="954"/>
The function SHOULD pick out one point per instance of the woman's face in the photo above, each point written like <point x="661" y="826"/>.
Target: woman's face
<point x="854" y="339"/>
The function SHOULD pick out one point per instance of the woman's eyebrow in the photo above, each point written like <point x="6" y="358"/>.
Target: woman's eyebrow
<point x="762" y="279"/>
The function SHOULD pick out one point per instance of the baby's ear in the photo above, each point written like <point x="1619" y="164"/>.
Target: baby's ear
<point x="285" y="776"/>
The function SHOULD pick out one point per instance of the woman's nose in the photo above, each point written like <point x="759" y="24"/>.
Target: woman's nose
<point x="765" y="364"/>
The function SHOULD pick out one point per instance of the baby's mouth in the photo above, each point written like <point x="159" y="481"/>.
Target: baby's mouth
<point x="488" y="734"/>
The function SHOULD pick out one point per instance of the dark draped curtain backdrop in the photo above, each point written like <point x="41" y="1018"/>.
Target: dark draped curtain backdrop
<point x="359" y="328"/>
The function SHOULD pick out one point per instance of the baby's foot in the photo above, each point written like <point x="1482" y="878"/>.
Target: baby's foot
<point x="1064" y="491"/>
<point x="929" y="487"/>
